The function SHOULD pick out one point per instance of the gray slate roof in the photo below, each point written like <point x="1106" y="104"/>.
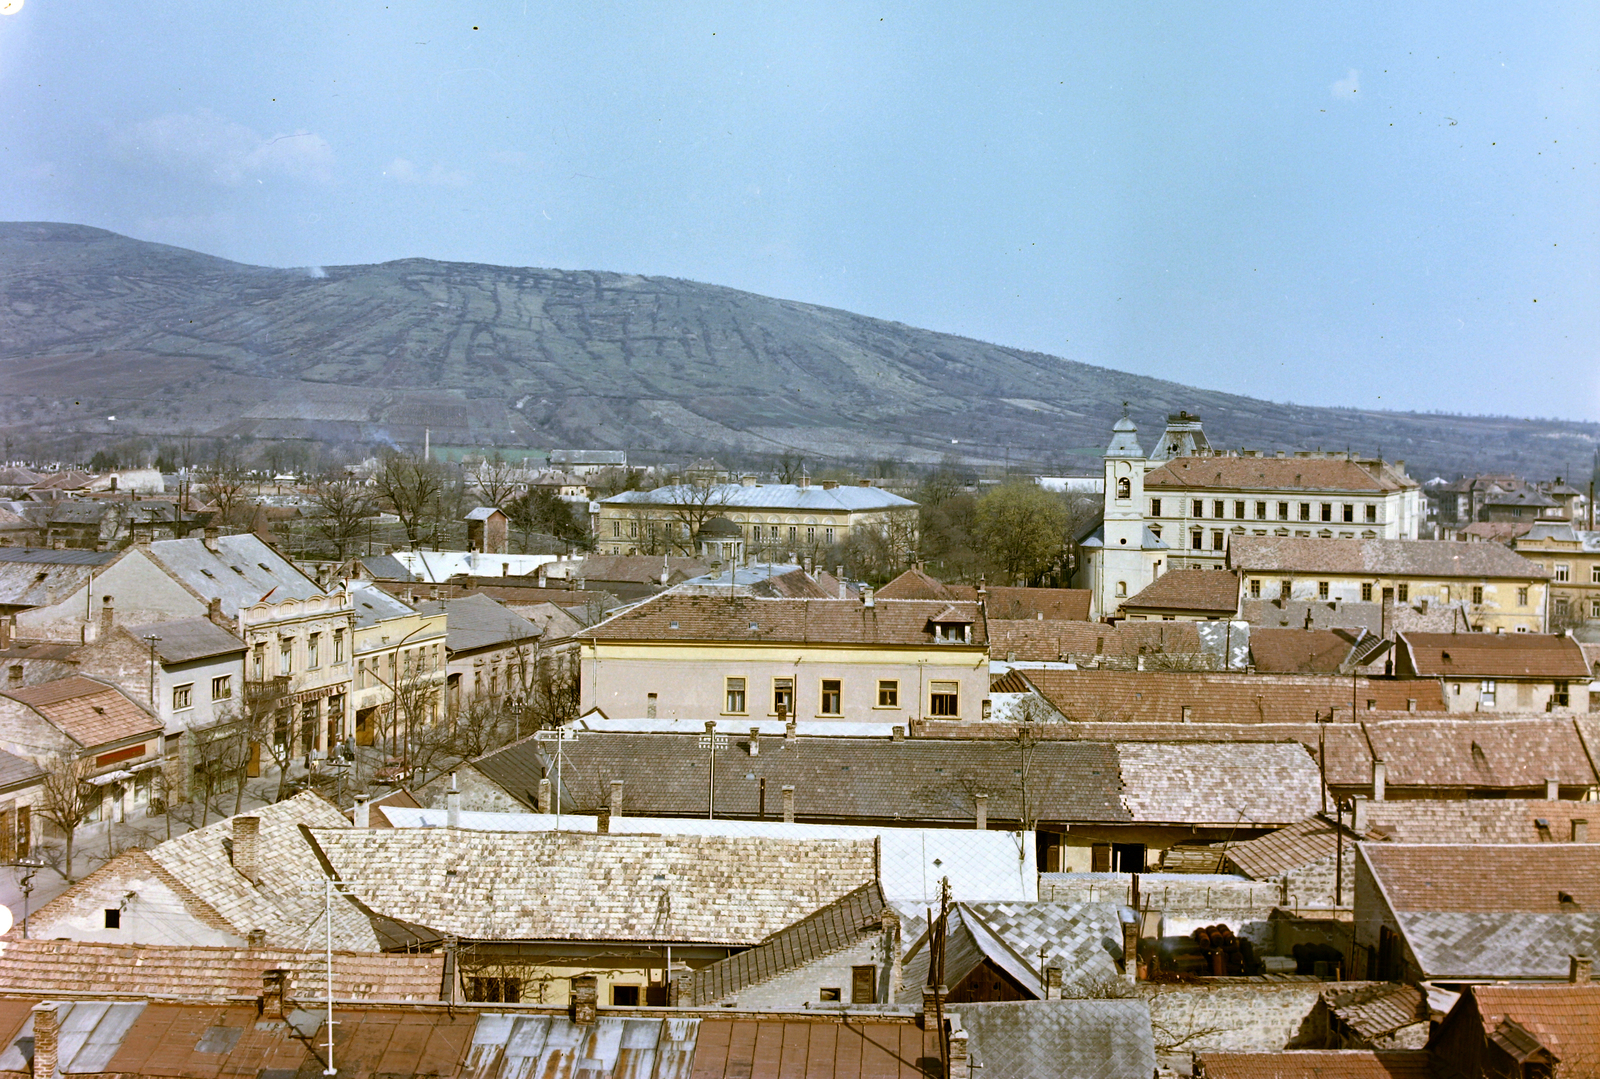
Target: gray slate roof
<point x="188" y="639"/>
<point x="769" y="496"/>
<point x="835" y="778"/>
<point x="476" y="621"/>
<point x="240" y="572"/>
<point x="39" y="556"/>
<point x="837" y="926"/>
<point x="372" y="604"/>
<point x="1455" y="944"/>
<point x="969" y="943"/>
<point x="1084" y="939"/>
<point x="386" y="567"/>
<point x="17" y="772"/>
<point x="1060" y="1039"/>
<point x="1219" y="783"/>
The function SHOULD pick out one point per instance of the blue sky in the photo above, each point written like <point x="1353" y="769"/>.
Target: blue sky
<point x="1377" y="205"/>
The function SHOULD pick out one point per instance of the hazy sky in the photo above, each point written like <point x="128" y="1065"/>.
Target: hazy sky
<point x="1388" y="204"/>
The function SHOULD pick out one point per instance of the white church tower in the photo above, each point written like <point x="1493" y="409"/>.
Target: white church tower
<point x="1121" y="556"/>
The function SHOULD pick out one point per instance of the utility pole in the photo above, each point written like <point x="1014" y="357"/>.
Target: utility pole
<point x="557" y="735"/>
<point x="152" y="640"/>
<point x="711" y="741"/>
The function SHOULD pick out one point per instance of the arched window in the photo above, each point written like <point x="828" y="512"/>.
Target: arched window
<point x="1124" y="488"/>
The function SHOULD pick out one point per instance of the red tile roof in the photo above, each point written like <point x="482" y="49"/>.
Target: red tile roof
<point x="1001" y="601"/>
<point x="1220" y="697"/>
<point x="1315" y="1064"/>
<point x="1565" y="1018"/>
<point x="1299" y="651"/>
<point x="1527" y="878"/>
<point x="1380" y="558"/>
<point x="1047" y="640"/>
<point x="1490" y="655"/>
<point x="89" y="712"/>
<point x="674" y="616"/>
<point x="1268" y="474"/>
<point x="1198" y="590"/>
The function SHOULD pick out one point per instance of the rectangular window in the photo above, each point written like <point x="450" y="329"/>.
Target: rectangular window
<point x="1261" y="511"/>
<point x="1155" y="507"/>
<point x="1349" y="512"/>
<point x="182" y="697"/>
<point x="1561" y="696"/>
<point x="258" y="662"/>
<point x="945" y="699"/>
<point x="222" y="687"/>
<point x="1366" y="592"/>
<point x="1563" y="572"/>
<point x="1486" y="692"/>
<point x="1255" y="589"/>
<point x="1197" y="540"/>
<point x="1283" y="511"/>
<point x="888" y="693"/>
<point x="811" y="535"/>
<point x="1477" y="593"/>
<point x="314" y="651"/>
<point x="616" y="529"/>
<point x="1327" y="511"/>
<point x="1199" y="508"/>
<point x="1402" y="592"/>
<point x="1283" y="591"/>
<point x="1322" y="589"/>
<point x="1522" y="597"/>
<point x="733" y="696"/>
<point x="625" y="996"/>
<point x="832" y="697"/>
<point x="286" y="656"/>
<point x="1594" y="608"/>
<point x="783" y="696"/>
<point x="1218" y="508"/>
<point x="792" y="533"/>
<point x="1216" y="540"/>
<point x="1305" y="511"/>
<point x="1594" y="574"/>
<point x="1372" y="513"/>
<point x="827" y="536"/>
<point x="828" y="994"/>
<point x="338" y="646"/>
<point x="1238" y="510"/>
<point x="633" y="529"/>
<point x="1561" y="608"/>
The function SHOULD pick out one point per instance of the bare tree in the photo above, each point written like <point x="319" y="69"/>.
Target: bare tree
<point x="410" y="487"/>
<point x="344" y="506"/>
<point x="66" y="797"/>
<point x="224" y="484"/>
<point x="687" y="507"/>
<point x="497" y="480"/>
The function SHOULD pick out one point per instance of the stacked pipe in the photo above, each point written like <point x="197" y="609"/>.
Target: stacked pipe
<point x="1228" y="953"/>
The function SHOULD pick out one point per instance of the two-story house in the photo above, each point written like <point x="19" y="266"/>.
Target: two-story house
<point x="702" y="656"/>
<point x="1572" y="556"/>
<point x="1498" y="672"/>
<point x="400" y="663"/>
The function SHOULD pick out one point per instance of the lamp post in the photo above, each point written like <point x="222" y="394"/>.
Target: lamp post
<point x="32" y="863"/>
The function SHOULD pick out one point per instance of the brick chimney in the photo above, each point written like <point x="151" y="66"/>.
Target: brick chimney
<point x="791" y="729"/>
<point x="1052" y="982"/>
<point x="960" y="1055"/>
<point x="246" y="841"/>
<point x="361" y="815"/>
<point x="214" y="613"/>
<point x="897" y="733"/>
<point x="1359" y="823"/>
<point x="1580" y="969"/>
<point x="256" y="938"/>
<point x="1552" y="789"/>
<point x="602" y="820"/>
<point x="274" y="987"/>
<point x="788" y="803"/>
<point x="1130" y="951"/>
<point x="585" y="999"/>
<point x="210" y="541"/>
<point x="932" y="998"/>
<point x="1580" y="831"/>
<point x="543" y="803"/>
<point x="452" y="804"/>
<point x="615" y="805"/>
<point x="14" y="676"/>
<point x="890" y="919"/>
<point x="982" y="821"/>
<point x="46" y="1039"/>
<point x="5" y="631"/>
<point x="755" y="741"/>
<point x="108" y="615"/>
<point x="1380" y="778"/>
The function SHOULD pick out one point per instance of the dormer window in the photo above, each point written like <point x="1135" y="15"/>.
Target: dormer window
<point x="960" y="632"/>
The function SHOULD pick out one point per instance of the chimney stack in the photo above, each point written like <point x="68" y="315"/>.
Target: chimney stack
<point x="1580" y="831"/>
<point x="788" y="803"/>
<point x="1130" y="951"/>
<point x="1380" y="778"/>
<point x="602" y="820"/>
<point x="1411" y="704"/>
<point x="983" y="811"/>
<point x="866" y="597"/>
<point x="1184" y="712"/>
<point x="46" y="1039"/>
<point x="543" y="804"/>
<point x="361" y="816"/>
<point x="897" y="733"/>
<point x="755" y="741"/>
<point x="14" y="676"/>
<point x="1552" y="789"/>
<point x="452" y="804"/>
<point x="274" y="987"/>
<point x="615" y="805"/>
<point x="1580" y="970"/>
<point x="5" y="631"/>
<point x="210" y="541"/>
<point x="1052" y="982"/>
<point x="585" y="997"/>
<point x="890" y="920"/>
<point x="791" y="729"/>
<point x="932" y="998"/>
<point x="960" y="1054"/>
<point x="1359" y="822"/>
<point x="108" y="615"/>
<point x="246" y="840"/>
<point x="256" y="938"/>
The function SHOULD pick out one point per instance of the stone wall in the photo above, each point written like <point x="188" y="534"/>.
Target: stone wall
<point x="1238" y="1016"/>
<point x="1175" y="894"/>
<point x="801" y="987"/>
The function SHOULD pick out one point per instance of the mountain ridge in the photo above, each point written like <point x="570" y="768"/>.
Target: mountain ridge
<point x="95" y="324"/>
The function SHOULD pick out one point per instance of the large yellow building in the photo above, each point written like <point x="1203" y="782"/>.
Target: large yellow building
<point x="1496" y="590"/>
<point x="1572" y="557"/>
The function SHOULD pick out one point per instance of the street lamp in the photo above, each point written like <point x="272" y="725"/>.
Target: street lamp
<point x="32" y="863"/>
